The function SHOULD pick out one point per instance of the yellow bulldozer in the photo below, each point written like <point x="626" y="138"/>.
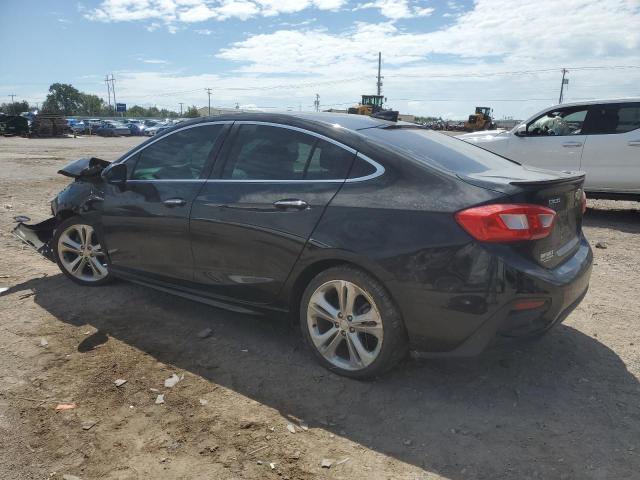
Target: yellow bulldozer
<point x="481" y="120"/>
<point x="372" y="105"/>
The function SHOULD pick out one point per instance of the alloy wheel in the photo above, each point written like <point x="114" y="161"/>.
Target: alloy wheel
<point x="81" y="254"/>
<point x="345" y="325"/>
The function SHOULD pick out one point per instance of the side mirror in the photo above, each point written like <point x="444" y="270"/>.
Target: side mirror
<point x="116" y="175"/>
<point x="521" y="130"/>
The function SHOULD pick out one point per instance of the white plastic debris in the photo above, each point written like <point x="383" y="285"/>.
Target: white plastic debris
<point x="160" y="399"/>
<point x="205" y="333"/>
<point x="272" y="465"/>
<point x="3" y="289"/>
<point x="88" y="425"/>
<point x="203" y="401"/>
<point x="291" y="428"/>
<point x="172" y="380"/>
<point x="44" y="343"/>
<point x="326" y="463"/>
<point x="119" y="382"/>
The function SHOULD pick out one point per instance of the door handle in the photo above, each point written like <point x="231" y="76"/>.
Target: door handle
<point x="291" y="203"/>
<point x="572" y="144"/>
<point x="634" y="143"/>
<point x="175" y="202"/>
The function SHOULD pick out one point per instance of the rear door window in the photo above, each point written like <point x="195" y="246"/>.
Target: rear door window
<point x="265" y="152"/>
<point x="609" y="119"/>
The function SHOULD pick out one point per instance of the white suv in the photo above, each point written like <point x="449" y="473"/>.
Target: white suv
<point x="601" y="138"/>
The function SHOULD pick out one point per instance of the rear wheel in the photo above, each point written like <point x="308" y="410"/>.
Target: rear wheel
<point x="79" y="253"/>
<point x="351" y="324"/>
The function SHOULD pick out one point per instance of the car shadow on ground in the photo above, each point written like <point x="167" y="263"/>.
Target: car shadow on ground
<point x="621" y="219"/>
<point x="561" y="407"/>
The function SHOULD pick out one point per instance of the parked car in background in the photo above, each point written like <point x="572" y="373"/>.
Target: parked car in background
<point x="150" y="131"/>
<point x="136" y="127"/>
<point x="378" y="237"/>
<point x="111" y="128"/>
<point x="600" y="137"/>
<point x="80" y="128"/>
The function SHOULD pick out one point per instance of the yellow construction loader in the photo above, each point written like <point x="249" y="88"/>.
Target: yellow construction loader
<point x="481" y="120"/>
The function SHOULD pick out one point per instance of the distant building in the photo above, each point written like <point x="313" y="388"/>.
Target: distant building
<point x="204" y="111"/>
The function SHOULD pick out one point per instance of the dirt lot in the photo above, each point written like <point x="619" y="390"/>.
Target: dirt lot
<point x="565" y="407"/>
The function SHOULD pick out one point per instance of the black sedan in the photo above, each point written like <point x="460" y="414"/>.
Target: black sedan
<point x="377" y="237"/>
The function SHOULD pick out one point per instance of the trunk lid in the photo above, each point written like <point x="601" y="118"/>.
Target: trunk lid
<point x="559" y="191"/>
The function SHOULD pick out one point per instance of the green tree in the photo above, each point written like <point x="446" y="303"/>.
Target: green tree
<point x="153" y="112"/>
<point x="62" y="98"/>
<point x="192" y="112"/>
<point x="14" y="108"/>
<point x="90" y="105"/>
<point x="137" y="111"/>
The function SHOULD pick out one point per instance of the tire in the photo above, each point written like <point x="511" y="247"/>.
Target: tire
<point x="341" y="342"/>
<point x="68" y="246"/>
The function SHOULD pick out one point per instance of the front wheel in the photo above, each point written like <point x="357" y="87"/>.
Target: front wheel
<point x="79" y="253"/>
<point x="351" y="323"/>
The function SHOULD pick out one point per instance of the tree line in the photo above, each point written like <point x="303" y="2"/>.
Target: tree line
<point x="67" y="100"/>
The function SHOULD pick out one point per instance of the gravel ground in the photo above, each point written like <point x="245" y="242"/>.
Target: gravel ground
<point x="564" y="407"/>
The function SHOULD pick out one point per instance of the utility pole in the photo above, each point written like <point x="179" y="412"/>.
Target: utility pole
<point x="13" y="107"/>
<point x="564" y="82"/>
<point x="113" y="89"/>
<point x="209" y="94"/>
<point x="379" y="83"/>
<point x="237" y="106"/>
<point x="316" y="103"/>
<point x="106" y="80"/>
<point x="181" y="108"/>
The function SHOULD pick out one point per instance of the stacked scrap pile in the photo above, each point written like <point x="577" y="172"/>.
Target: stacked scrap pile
<point x="49" y="125"/>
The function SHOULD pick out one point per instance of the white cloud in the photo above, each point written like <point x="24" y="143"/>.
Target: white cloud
<point x="171" y="12"/>
<point x="155" y="61"/>
<point x="397" y="9"/>
<point x="440" y="72"/>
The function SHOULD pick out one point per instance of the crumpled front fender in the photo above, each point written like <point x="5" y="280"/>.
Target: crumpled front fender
<point x="38" y="236"/>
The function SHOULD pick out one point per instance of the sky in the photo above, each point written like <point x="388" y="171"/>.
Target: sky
<point x="439" y="57"/>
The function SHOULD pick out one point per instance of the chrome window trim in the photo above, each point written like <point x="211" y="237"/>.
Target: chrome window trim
<point x="141" y="148"/>
<point x="379" y="169"/>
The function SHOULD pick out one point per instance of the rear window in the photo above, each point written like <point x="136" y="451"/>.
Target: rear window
<point x="441" y="150"/>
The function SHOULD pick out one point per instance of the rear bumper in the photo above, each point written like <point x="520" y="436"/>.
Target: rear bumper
<point x="562" y="289"/>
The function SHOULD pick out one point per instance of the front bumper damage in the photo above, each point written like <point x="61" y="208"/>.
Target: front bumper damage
<point x="38" y="236"/>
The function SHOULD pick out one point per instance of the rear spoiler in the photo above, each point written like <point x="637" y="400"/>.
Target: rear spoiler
<point x="571" y="177"/>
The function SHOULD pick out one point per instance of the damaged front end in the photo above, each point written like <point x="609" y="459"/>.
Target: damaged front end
<point x="86" y="173"/>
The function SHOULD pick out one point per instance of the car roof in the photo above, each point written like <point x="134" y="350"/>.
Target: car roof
<point x="344" y="120"/>
<point x="595" y="102"/>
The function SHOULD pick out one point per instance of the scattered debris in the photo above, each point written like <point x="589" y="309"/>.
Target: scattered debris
<point x="88" y="425"/>
<point x="160" y="399"/>
<point x="3" y="289"/>
<point x="272" y="465"/>
<point x="326" y="463"/>
<point x="21" y="218"/>
<point x="258" y="450"/>
<point x="259" y="462"/>
<point x="344" y="460"/>
<point x="407" y="443"/>
<point x="205" y="333"/>
<point x="119" y="382"/>
<point x="154" y="389"/>
<point x="291" y="428"/>
<point x="173" y="380"/>
<point x="66" y="406"/>
<point x="304" y="426"/>
<point x="601" y="245"/>
<point x="245" y="351"/>
<point x="44" y="343"/>
<point x="203" y="401"/>
<point x="66" y="476"/>
<point x="295" y="455"/>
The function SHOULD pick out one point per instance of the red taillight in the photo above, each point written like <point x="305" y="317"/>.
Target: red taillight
<point x="507" y="222"/>
<point x="584" y="202"/>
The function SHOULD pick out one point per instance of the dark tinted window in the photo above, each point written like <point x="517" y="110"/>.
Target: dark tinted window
<point x="262" y="152"/>
<point x="361" y="168"/>
<point x="181" y="155"/>
<point x="437" y="149"/>
<point x="614" y="118"/>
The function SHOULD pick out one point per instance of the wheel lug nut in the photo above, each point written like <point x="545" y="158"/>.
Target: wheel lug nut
<point x="337" y="325"/>
<point x="352" y="329"/>
<point x="343" y="333"/>
<point x="339" y="314"/>
<point x="349" y="317"/>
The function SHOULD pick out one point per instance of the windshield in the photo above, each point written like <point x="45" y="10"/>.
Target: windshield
<point x="437" y="149"/>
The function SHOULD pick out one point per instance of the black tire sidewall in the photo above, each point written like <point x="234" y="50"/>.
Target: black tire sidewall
<point x="394" y="344"/>
<point x="61" y="227"/>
